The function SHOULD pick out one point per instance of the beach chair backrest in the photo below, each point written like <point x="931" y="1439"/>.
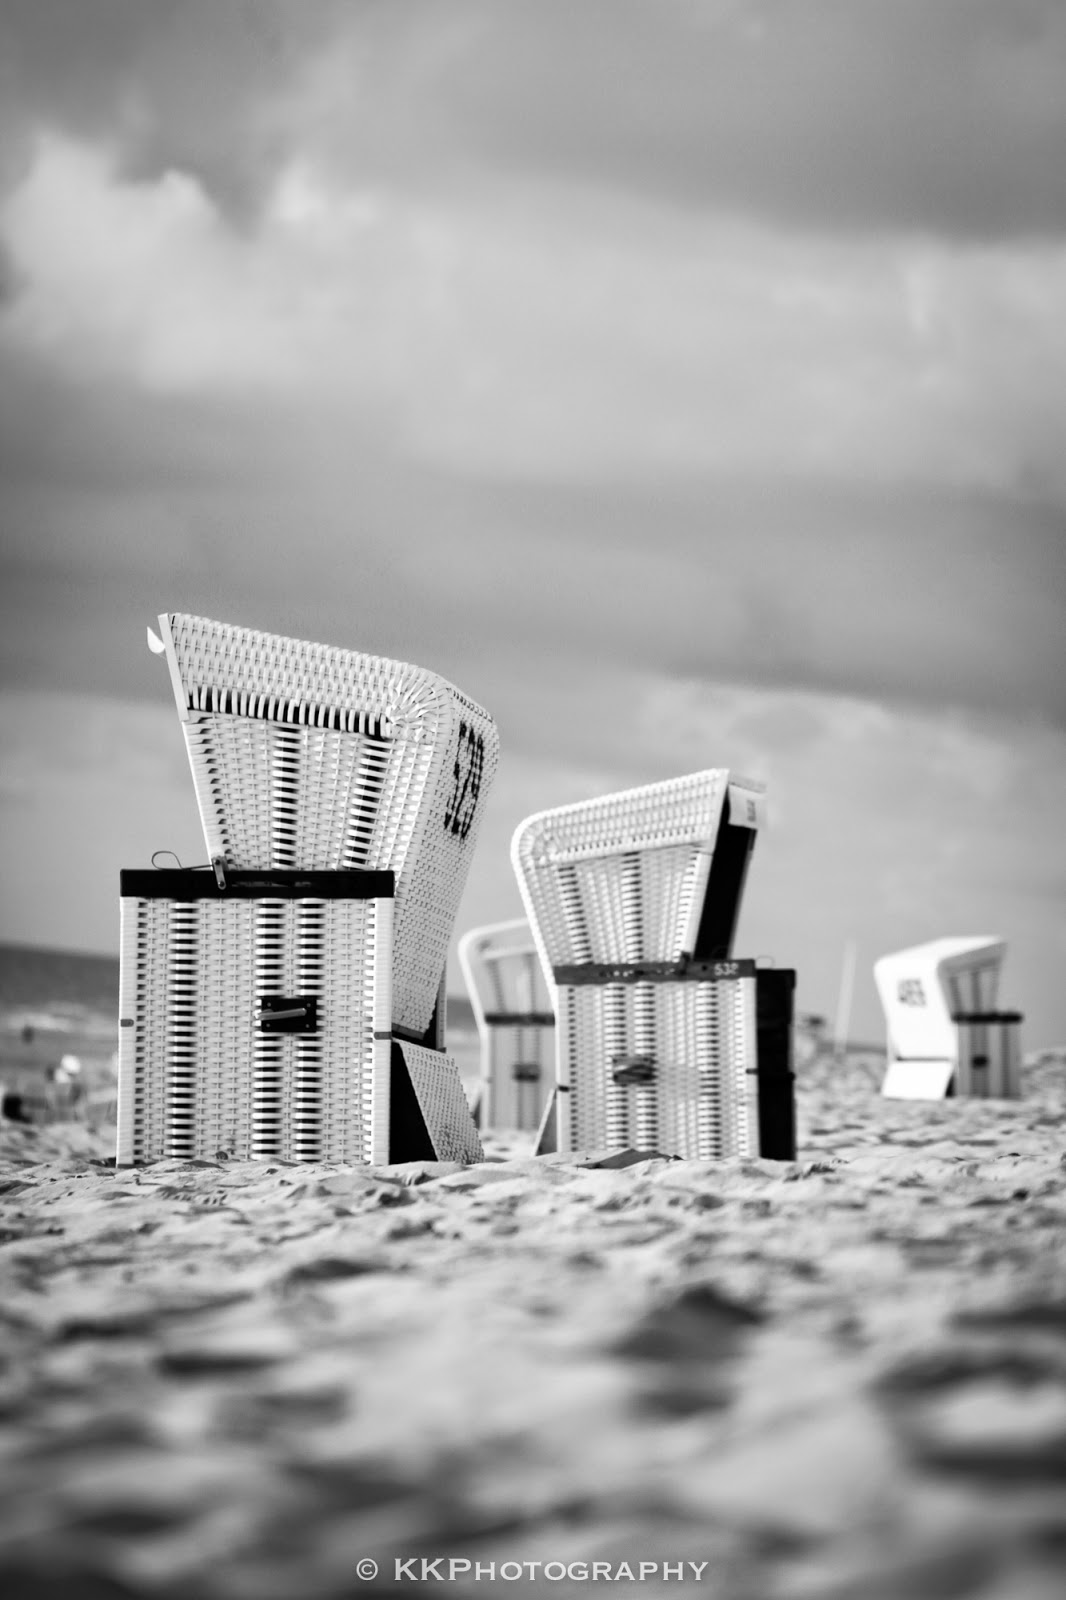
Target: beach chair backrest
<point x="306" y="756"/>
<point x="654" y="874"/>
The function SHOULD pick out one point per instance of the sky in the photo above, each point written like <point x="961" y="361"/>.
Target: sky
<point x="684" y="379"/>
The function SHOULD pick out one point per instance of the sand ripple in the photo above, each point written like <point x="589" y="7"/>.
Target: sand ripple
<point x="841" y="1377"/>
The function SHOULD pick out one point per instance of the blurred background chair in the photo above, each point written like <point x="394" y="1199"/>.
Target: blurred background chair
<point x="633" y="900"/>
<point x="512" y="1008"/>
<point x="945" y="1035"/>
<point x="313" y="768"/>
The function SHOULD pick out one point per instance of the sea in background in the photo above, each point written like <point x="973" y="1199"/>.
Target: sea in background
<point x="61" y="1002"/>
<point x="55" y="1003"/>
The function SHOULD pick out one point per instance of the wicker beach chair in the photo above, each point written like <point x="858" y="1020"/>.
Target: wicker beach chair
<point x="515" y="1022"/>
<point x="633" y="900"/>
<point x="945" y="1035"/>
<point x="319" y="774"/>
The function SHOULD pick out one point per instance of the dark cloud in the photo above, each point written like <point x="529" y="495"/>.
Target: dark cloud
<point x="913" y="594"/>
<point x="177" y="84"/>
<point x="116" y="510"/>
<point x="948" y="115"/>
<point x="942" y="115"/>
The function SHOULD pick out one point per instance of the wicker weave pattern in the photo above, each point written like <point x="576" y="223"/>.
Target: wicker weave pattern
<point x="308" y="756"/>
<point x="196" y="1072"/>
<point x="439" y="1091"/>
<point x="994" y="1040"/>
<point x="677" y="811"/>
<point x="701" y="1037"/>
<point x="620" y="881"/>
<point x="513" y="1011"/>
<point x="622" y="878"/>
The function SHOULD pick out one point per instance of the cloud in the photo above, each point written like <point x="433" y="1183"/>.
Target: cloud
<point x="944" y="116"/>
<point x="178" y="86"/>
<point x="530" y="596"/>
<point x="304" y="518"/>
<point x="145" y="279"/>
<point x="519" y="335"/>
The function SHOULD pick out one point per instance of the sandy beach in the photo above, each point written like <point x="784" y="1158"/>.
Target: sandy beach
<point x="431" y="434"/>
<point x="841" y="1377"/>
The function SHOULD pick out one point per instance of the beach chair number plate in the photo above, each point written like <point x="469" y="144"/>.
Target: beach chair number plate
<point x="467" y="770"/>
<point x="745" y="808"/>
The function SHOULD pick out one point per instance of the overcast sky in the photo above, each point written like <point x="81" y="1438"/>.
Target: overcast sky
<point x="685" y="379"/>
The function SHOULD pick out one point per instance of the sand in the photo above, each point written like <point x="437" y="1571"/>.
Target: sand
<point x="839" y="1377"/>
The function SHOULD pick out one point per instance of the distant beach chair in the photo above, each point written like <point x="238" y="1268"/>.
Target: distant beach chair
<point x="664" y="1041"/>
<point x="515" y="1022"/>
<point x="945" y="1035"/>
<point x="341" y="796"/>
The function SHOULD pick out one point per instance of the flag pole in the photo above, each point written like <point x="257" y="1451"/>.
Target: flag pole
<point x="843" y="1017"/>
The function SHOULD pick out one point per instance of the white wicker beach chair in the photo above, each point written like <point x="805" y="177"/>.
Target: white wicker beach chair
<point x="313" y="758"/>
<point x="633" y="901"/>
<point x="291" y="1002"/>
<point x="515" y="1022"/>
<point x="945" y="1035"/>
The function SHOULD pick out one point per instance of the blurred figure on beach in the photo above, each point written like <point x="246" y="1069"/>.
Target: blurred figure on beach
<point x="60" y="1100"/>
<point x="66" y="1089"/>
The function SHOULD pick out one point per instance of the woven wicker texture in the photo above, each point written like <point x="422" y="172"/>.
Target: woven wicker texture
<point x="700" y="1038"/>
<point x="445" y="1111"/>
<point x="198" y="1073"/>
<point x="513" y="1010"/>
<point x="989" y="1056"/>
<point x="308" y="756"/>
<point x="623" y="878"/>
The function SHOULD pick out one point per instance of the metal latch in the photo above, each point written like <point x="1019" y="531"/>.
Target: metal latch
<point x="287" y="1013"/>
<point x="628" y="1071"/>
